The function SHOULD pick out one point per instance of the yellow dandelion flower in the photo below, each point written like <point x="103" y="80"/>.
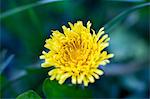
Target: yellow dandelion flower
<point x="77" y="54"/>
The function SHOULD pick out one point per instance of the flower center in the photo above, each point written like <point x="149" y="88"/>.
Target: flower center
<point x="76" y="52"/>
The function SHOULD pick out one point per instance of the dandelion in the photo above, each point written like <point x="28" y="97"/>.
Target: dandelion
<point x="76" y="53"/>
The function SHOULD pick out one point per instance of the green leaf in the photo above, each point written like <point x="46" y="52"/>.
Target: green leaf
<point x="29" y="95"/>
<point x="52" y="89"/>
<point x="5" y="62"/>
<point x="25" y="7"/>
<point x="3" y="81"/>
<point x="114" y="22"/>
<point x="127" y="0"/>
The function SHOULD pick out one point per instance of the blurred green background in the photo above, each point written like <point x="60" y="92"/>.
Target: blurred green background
<point x="25" y="24"/>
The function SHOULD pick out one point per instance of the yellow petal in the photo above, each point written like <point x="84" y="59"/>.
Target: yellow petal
<point x="100" y="72"/>
<point x="70" y="24"/>
<point x="80" y="78"/>
<point x="104" y="54"/>
<point x="101" y="29"/>
<point x="64" y="77"/>
<point x="94" y="35"/>
<point x="85" y="81"/>
<point x="58" y="77"/>
<point x="54" y="71"/>
<point x="80" y="23"/>
<point x="95" y="75"/>
<point x="110" y="55"/>
<point x="74" y="79"/>
<point x="42" y="57"/>
<point x="103" y="38"/>
<point x="43" y="52"/>
<point x="91" y="78"/>
<point x="89" y="24"/>
<point x="100" y="33"/>
<point x="108" y="39"/>
<point x="53" y="77"/>
<point x="46" y="64"/>
<point x="104" y="62"/>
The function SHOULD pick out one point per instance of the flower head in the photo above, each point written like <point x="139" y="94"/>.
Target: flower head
<point x="76" y="53"/>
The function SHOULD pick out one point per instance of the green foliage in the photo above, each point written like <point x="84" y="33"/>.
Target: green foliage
<point x="53" y="90"/>
<point x="29" y="95"/>
<point x="4" y="62"/>
<point x="25" y="24"/>
<point x="2" y="84"/>
<point x="111" y="24"/>
<point x="29" y="6"/>
<point x="118" y="45"/>
<point x="128" y="0"/>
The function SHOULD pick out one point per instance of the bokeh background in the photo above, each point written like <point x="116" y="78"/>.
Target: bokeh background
<point x="25" y="24"/>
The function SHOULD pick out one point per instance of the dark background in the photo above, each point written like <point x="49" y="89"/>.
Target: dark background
<point x="25" y="24"/>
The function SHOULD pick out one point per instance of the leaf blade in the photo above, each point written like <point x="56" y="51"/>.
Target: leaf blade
<point x="52" y="89"/>
<point x="25" y="7"/>
<point x="29" y="95"/>
<point x="108" y="26"/>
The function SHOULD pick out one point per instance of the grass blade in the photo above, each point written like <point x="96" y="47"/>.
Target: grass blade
<point x="25" y="7"/>
<point x="5" y="63"/>
<point x="128" y="0"/>
<point x="122" y="15"/>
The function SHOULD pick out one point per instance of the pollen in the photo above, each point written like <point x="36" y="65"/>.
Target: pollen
<point x="77" y="53"/>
